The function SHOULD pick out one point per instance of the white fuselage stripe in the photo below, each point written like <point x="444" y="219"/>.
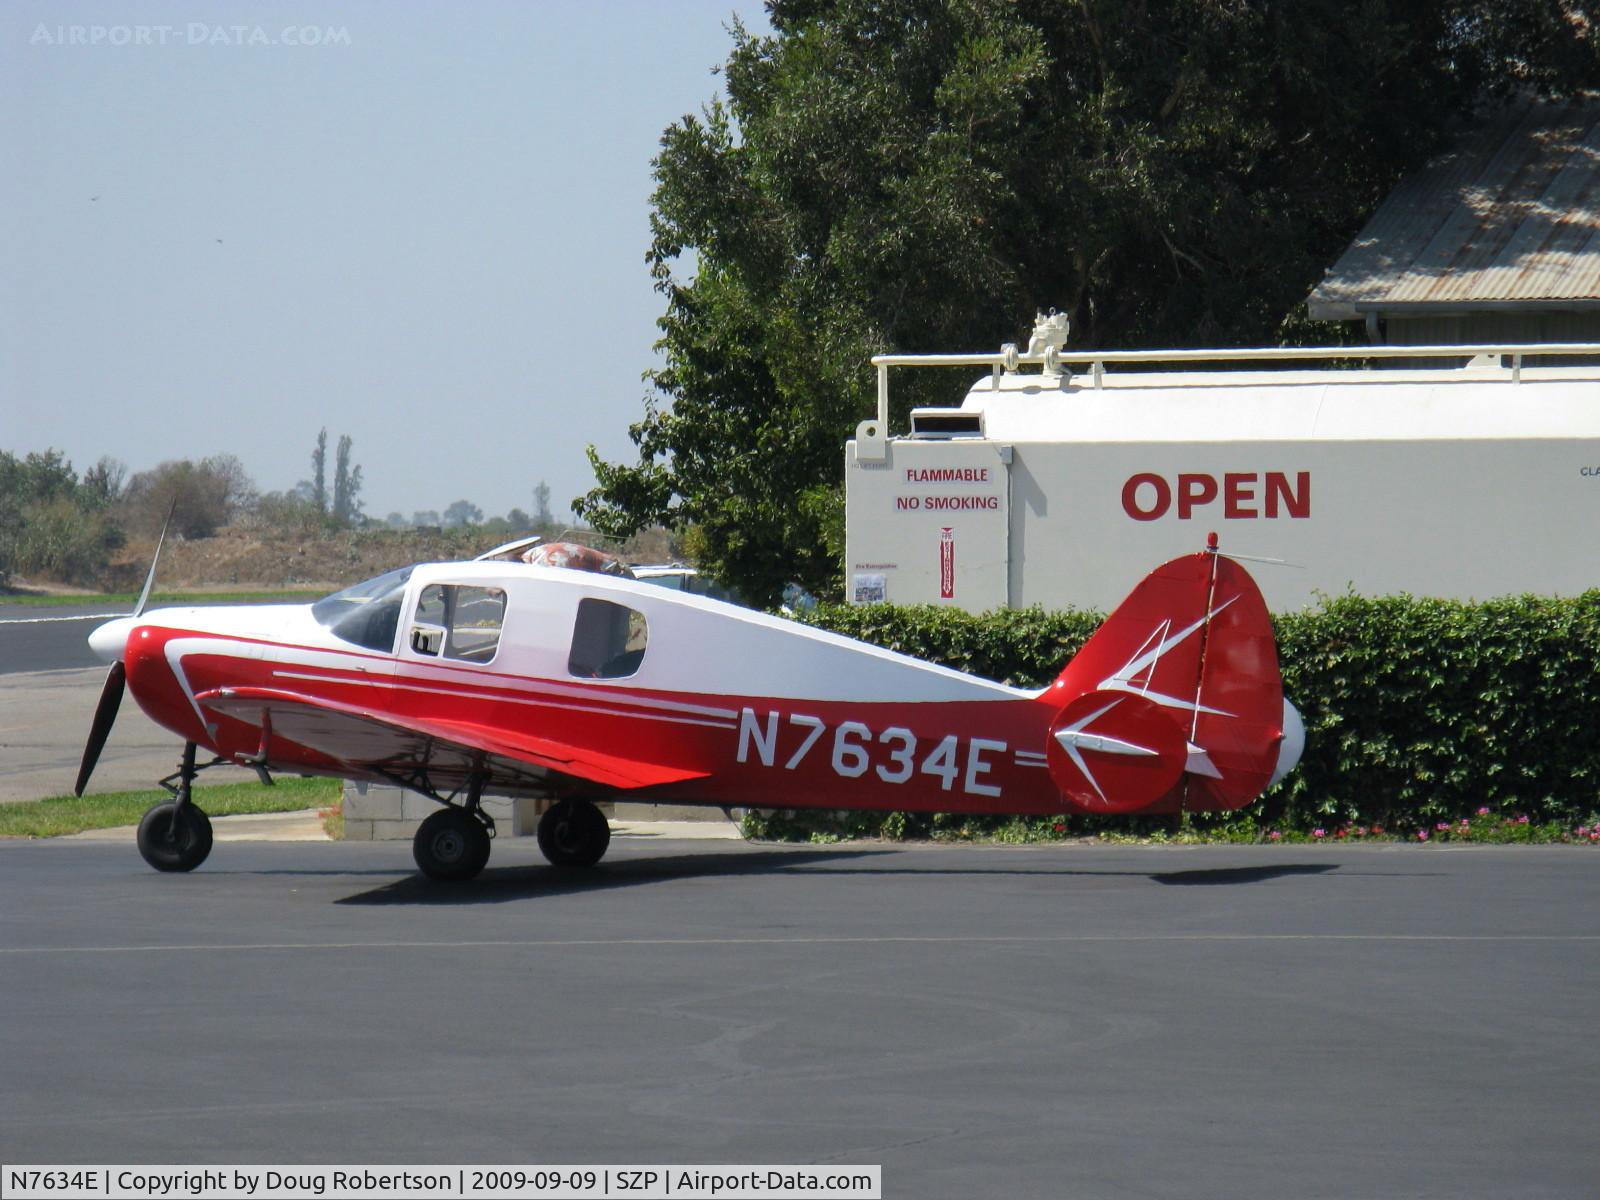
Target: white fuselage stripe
<point x="499" y="697"/>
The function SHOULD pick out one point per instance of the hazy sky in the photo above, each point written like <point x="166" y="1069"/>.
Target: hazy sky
<point x="427" y="232"/>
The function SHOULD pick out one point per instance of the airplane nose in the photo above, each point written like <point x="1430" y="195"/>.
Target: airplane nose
<point x="108" y="641"/>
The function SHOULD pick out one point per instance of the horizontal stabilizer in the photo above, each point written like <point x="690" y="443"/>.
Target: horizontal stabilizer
<point x="1112" y="752"/>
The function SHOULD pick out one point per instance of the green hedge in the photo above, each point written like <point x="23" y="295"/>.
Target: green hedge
<point x="1417" y="712"/>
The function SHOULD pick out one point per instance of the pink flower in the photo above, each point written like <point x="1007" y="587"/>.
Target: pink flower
<point x="1319" y="833"/>
<point x="1522" y="820"/>
<point x="1466" y="824"/>
<point x="1422" y="835"/>
<point x="1360" y="831"/>
<point x="1274" y="836"/>
<point x="1341" y="832"/>
<point x="1442" y="826"/>
<point x="1483" y="812"/>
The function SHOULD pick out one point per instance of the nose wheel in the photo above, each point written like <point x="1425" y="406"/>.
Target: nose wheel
<point x="574" y="833"/>
<point x="175" y="835"/>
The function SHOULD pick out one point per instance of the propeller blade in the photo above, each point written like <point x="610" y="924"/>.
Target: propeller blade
<point x="150" y="579"/>
<point x="105" y="715"/>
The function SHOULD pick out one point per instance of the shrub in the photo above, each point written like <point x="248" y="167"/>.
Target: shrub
<point x="1417" y="712"/>
<point x="49" y="523"/>
<point x="64" y="540"/>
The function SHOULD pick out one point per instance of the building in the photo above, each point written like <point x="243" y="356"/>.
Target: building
<point x="1495" y="241"/>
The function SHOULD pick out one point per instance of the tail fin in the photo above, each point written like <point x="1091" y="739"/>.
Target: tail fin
<point x="1176" y="702"/>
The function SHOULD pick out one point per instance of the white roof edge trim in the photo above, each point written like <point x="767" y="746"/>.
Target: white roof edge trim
<point x="1251" y="354"/>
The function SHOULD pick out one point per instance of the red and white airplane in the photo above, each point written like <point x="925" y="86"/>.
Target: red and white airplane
<point x="492" y="677"/>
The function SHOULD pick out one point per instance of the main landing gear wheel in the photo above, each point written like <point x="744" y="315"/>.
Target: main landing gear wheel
<point x="574" y="833"/>
<point x="451" y="845"/>
<point x="175" y="837"/>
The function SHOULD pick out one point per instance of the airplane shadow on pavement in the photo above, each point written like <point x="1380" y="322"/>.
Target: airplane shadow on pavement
<point x="505" y="884"/>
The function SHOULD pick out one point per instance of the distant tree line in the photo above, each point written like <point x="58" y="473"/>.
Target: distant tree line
<point x="59" y="525"/>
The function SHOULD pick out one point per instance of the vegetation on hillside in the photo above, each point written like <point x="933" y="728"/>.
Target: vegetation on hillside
<point x="98" y="528"/>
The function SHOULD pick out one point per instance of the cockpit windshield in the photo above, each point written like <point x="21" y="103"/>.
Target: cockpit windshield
<point x="368" y="613"/>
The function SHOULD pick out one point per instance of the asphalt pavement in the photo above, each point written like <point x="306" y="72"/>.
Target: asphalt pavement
<point x="50" y="682"/>
<point x="1019" y="1021"/>
<point x="49" y="638"/>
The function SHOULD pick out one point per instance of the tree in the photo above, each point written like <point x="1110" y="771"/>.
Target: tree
<point x="924" y="177"/>
<point x="346" y="484"/>
<point x="541" y="505"/>
<point x="462" y="513"/>
<point x="106" y="479"/>
<point x="318" y="483"/>
<point x="201" y="497"/>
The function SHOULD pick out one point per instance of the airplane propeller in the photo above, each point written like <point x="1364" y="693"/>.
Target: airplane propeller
<point x="105" y="712"/>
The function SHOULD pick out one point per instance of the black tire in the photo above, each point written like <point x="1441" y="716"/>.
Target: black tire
<point x="173" y="838"/>
<point x="451" y="846"/>
<point x="574" y="833"/>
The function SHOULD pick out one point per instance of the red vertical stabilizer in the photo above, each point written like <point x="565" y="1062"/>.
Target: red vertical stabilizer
<point x="1176" y="701"/>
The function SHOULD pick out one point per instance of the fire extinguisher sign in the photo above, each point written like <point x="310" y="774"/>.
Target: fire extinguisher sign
<point x="947" y="563"/>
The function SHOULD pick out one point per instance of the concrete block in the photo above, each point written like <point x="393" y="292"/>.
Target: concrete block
<point x="394" y="831"/>
<point x="413" y="806"/>
<point x="369" y="804"/>
<point x="357" y="830"/>
<point x="627" y="811"/>
<point x="384" y="804"/>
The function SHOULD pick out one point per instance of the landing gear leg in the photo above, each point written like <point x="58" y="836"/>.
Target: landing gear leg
<point x="574" y="833"/>
<point x="175" y="835"/>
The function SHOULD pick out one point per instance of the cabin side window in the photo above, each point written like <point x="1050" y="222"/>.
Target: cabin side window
<point x="608" y="640"/>
<point x="458" y="621"/>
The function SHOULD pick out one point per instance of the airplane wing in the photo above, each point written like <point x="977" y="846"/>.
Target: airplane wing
<point x="365" y="744"/>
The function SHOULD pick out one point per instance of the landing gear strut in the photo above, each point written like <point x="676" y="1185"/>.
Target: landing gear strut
<point x="574" y="833"/>
<point x="175" y="835"/>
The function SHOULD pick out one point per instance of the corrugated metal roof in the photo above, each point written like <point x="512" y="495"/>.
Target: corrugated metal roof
<point x="1509" y="219"/>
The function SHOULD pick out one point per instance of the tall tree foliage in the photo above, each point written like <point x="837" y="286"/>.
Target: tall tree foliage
<point x="317" y="486"/>
<point x="924" y="176"/>
<point x="346" y="485"/>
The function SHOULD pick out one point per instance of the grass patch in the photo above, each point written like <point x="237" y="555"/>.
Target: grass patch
<point x="60" y="815"/>
<point x="126" y="600"/>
